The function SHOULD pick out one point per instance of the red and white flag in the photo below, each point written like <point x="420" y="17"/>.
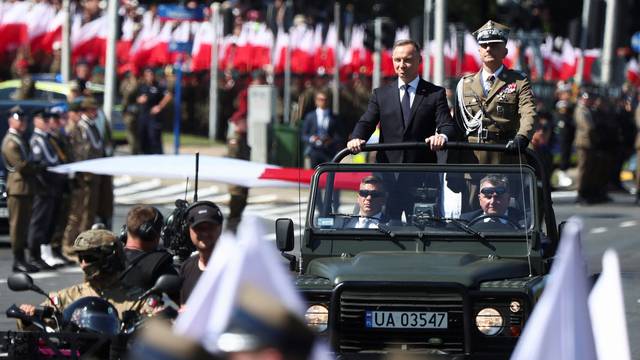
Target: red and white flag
<point x="303" y="49"/>
<point x="39" y="19"/>
<point x="568" y="61"/>
<point x="43" y="41"/>
<point x="89" y="41"/>
<point x="471" y="61"/>
<point x="280" y="52"/>
<point x="144" y="43"/>
<point x="261" y="42"/>
<point x="633" y="72"/>
<point x="201" y="51"/>
<point x="13" y="26"/>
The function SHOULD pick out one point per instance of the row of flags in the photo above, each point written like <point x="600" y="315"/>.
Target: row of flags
<point x="256" y="47"/>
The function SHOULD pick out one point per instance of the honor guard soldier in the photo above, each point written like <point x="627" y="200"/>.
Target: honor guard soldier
<point x="50" y="185"/>
<point x="495" y="105"/>
<point x="22" y="171"/>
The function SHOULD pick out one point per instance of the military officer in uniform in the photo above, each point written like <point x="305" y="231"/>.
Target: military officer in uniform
<point x="495" y="105"/>
<point x="50" y="185"/>
<point x="20" y="188"/>
<point x="86" y="143"/>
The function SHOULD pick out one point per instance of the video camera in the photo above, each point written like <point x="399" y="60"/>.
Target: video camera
<point x="175" y="233"/>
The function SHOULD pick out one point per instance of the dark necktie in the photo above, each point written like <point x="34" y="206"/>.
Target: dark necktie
<point x="406" y="106"/>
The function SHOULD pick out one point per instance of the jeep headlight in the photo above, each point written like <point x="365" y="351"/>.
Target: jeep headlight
<point x="317" y="317"/>
<point x="489" y="321"/>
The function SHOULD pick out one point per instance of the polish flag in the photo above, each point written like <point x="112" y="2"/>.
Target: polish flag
<point x="144" y="43"/>
<point x="39" y="18"/>
<point x="471" y="61"/>
<point x="568" y="61"/>
<point x="158" y="49"/>
<point x="261" y="42"/>
<point x="358" y="59"/>
<point x="201" y="51"/>
<point x="590" y="56"/>
<point x="633" y="72"/>
<point x="241" y="51"/>
<point x="302" y="50"/>
<point x="13" y="26"/>
<point x="280" y="53"/>
<point x="511" y="60"/>
<point x="89" y="41"/>
<point x="183" y="33"/>
<point x="325" y="53"/>
<point x="43" y="41"/>
<point x="123" y="45"/>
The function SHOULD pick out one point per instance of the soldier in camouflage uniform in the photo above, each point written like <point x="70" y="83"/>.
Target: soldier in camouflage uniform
<point x="86" y="143"/>
<point x="102" y="258"/>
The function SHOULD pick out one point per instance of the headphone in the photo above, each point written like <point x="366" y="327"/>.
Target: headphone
<point x="148" y="230"/>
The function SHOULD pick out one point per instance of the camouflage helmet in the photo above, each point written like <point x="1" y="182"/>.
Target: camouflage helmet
<point x="102" y="251"/>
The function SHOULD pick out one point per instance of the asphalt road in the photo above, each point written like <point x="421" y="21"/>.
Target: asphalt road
<point x="612" y="225"/>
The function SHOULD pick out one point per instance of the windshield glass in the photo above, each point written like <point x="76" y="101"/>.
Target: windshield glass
<point x="427" y="201"/>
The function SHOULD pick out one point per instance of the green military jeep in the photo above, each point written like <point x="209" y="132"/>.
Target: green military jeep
<point x="423" y="258"/>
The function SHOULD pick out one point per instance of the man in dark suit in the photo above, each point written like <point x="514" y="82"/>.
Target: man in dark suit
<point x="321" y="131"/>
<point x="494" y="198"/>
<point x="408" y="110"/>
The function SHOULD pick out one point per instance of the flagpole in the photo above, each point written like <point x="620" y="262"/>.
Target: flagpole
<point x="609" y="41"/>
<point x="586" y="9"/>
<point x="213" y="82"/>
<point x="65" y="70"/>
<point x="440" y="23"/>
<point x="426" y="34"/>
<point x="110" y="66"/>
<point x="336" y="60"/>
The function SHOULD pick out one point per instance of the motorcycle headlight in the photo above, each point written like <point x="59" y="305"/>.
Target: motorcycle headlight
<point x="489" y="321"/>
<point x="317" y="317"/>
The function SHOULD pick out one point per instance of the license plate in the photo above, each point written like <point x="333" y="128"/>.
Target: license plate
<point x="406" y="320"/>
<point x="4" y="213"/>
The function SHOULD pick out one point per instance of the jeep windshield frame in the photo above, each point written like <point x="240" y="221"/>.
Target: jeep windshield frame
<point x="450" y="236"/>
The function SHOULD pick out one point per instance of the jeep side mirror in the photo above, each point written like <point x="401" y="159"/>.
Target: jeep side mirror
<point x="284" y="234"/>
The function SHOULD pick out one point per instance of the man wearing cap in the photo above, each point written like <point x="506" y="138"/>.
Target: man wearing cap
<point x="204" y="219"/>
<point x="495" y="105"/>
<point x="409" y="109"/>
<point x="49" y="186"/>
<point x="20" y="189"/>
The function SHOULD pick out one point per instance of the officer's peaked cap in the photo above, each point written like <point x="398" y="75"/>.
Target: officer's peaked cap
<point x="492" y="32"/>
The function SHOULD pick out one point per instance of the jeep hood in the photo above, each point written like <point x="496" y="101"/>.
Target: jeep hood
<point x="462" y="268"/>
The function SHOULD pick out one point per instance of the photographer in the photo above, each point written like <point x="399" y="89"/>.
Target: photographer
<point x="145" y="262"/>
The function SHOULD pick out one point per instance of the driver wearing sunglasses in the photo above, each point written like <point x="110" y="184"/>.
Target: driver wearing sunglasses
<point x="494" y="197"/>
<point x="371" y="197"/>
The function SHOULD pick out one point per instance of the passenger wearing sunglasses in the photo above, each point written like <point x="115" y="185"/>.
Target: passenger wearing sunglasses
<point x="494" y="198"/>
<point x="371" y="197"/>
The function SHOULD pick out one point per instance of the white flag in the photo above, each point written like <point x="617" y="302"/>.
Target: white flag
<point x="249" y="260"/>
<point x="606" y="305"/>
<point x="560" y="327"/>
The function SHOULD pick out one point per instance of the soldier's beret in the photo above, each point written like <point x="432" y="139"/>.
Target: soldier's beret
<point x="492" y="32"/>
<point x="75" y="105"/>
<point x="89" y="103"/>
<point x="40" y="113"/>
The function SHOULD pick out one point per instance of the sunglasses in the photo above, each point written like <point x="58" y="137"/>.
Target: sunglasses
<point x="88" y="258"/>
<point x="491" y="191"/>
<point x="373" y="193"/>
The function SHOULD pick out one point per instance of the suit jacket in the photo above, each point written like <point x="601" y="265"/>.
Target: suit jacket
<point x="310" y="127"/>
<point x="429" y="112"/>
<point x="22" y="171"/>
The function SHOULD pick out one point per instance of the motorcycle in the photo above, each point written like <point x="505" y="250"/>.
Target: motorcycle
<point x="88" y="327"/>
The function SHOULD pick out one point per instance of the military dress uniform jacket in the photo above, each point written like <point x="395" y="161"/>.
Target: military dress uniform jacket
<point x="586" y="136"/>
<point x="508" y="108"/>
<point x="85" y="140"/>
<point x="21" y="170"/>
<point x="44" y="153"/>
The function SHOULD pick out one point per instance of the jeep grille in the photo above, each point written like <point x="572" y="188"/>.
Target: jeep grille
<point x="353" y="336"/>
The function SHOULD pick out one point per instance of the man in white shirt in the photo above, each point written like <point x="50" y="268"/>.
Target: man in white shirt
<point x="371" y="198"/>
